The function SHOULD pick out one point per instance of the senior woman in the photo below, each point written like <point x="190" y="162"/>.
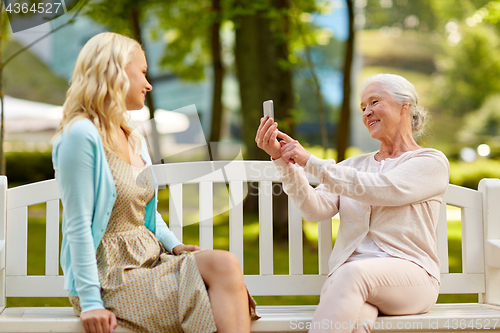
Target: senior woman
<point x="384" y="259"/>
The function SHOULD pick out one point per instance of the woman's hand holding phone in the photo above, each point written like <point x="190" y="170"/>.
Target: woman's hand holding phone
<point x="266" y="137"/>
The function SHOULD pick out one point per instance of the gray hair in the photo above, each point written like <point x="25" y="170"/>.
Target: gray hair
<point x="402" y="92"/>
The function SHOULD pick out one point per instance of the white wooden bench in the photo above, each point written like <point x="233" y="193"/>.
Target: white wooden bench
<point x="480" y="223"/>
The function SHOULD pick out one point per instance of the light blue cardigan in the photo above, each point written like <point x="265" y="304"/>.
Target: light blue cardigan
<point x="88" y="194"/>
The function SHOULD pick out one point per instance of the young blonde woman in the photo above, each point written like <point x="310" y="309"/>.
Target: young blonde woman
<point x="121" y="262"/>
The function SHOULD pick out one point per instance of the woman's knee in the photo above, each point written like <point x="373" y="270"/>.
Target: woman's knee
<point x="347" y="279"/>
<point x="219" y="266"/>
<point x="226" y="262"/>
<point x="352" y="271"/>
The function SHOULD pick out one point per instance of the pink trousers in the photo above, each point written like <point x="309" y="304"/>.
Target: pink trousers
<point x="354" y="295"/>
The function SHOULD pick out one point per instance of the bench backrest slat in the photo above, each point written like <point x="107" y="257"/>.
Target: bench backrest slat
<point x="325" y="245"/>
<point x="52" y="238"/>
<point x="17" y="250"/>
<point x="206" y="202"/>
<point x="442" y="240"/>
<point x="471" y="205"/>
<point x="236" y="174"/>
<point x="296" y="266"/>
<point x="472" y="241"/>
<point x="266" y="228"/>
<point x="236" y="219"/>
<point x="175" y="209"/>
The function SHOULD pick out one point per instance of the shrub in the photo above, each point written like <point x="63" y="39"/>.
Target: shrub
<point x="28" y="167"/>
<point x="469" y="174"/>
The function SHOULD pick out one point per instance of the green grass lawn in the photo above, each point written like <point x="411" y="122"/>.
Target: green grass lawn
<point x="36" y="253"/>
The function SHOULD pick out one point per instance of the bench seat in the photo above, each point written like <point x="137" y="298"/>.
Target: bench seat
<point x="289" y="318"/>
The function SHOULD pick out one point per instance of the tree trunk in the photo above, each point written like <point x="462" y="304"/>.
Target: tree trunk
<point x="218" y="75"/>
<point x="255" y="54"/>
<point x="344" y="132"/>
<point x="317" y="91"/>
<point x="260" y="54"/>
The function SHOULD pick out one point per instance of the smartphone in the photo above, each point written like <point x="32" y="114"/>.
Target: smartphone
<point x="268" y="109"/>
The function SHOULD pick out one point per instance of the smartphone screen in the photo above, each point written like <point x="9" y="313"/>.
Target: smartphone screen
<point x="268" y="109"/>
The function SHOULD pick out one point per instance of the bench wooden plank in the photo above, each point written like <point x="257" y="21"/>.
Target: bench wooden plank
<point x="48" y="319"/>
<point x="25" y="286"/>
<point x="442" y="240"/>
<point x="2" y="255"/>
<point x="52" y="238"/>
<point x="472" y="241"/>
<point x="325" y="245"/>
<point x="236" y="219"/>
<point x="51" y="286"/>
<point x="443" y="317"/>
<point x="460" y="283"/>
<point x="492" y="248"/>
<point x="295" y="241"/>
<point x="218" y="172"/>
<point x="17" y="252"/>
<point x="463" y="197"/>
<point x="25" y="195"/>
<point x="266" y="251"/>
<point x="206" y="203"/>
<point x="490" y="189"/>
<point x="35" y="286"/>
<point x="261" y="285"/>
<point x="196" y="172"/>
<point x="175" y="212"/>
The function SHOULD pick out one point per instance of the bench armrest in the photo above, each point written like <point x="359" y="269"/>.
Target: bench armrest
<point x="2" y="254"/>
<point x="492" y="248"/>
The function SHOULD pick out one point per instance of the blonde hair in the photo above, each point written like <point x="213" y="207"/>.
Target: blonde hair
<point x="403" y="92"/>
<point x="99" y="87"/>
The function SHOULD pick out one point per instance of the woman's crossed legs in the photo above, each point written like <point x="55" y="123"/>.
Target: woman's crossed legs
<point x="353" y="295"/>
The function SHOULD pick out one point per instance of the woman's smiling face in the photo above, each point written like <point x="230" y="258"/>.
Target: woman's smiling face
<point x="136" y="71"/>
<point x="382" y="115"/>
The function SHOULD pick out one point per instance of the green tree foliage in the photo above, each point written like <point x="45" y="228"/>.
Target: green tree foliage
<point x="467" y="71"/>
<point x="422" y="15"/>
<point x="482" y="125"/>
<point x="185" y="27"/>
<point x="402" y="14"/>
<point x="491" y="12"/>
<point x="470" y="66"/>
<point x="116" y="15"/>
<point x="471" y="70"/>
<point x="458" y="10"/>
